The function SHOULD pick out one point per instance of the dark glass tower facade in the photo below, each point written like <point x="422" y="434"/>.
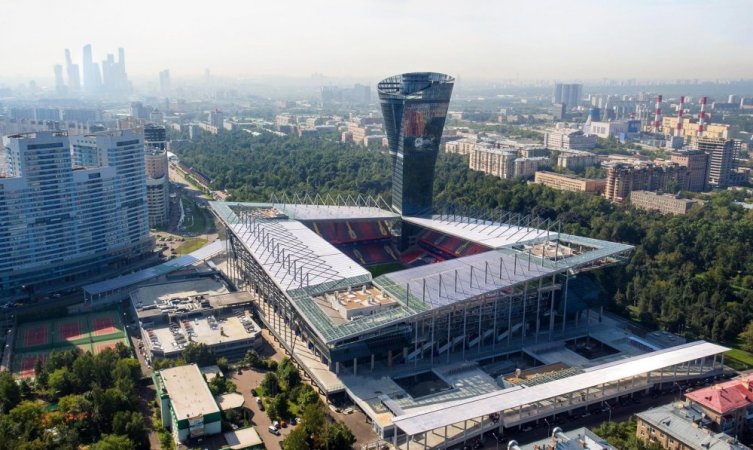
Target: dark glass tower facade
<point x="414" y="106"/>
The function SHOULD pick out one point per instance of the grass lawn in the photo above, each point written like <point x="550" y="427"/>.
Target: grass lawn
<point x="196" y="221"/>
<point x="190" y="245"/>
<point x="739" y="359"/>
<point x="381" y="269"/>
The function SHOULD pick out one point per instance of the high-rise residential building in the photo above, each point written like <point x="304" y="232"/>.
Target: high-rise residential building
<point x="721" y="160"/>
<point x="568" y="93"/>
<point x="157" y="181"/>
<point x="493" y="161"/>
<point x="66" y="216"/>
<point x="414" y="106"/>
<point x="92" y="75"/>
<point x="114" y="77"/>
<point x="697" y="163"/>
<point x="74" y="77"/>
<point x="216" y="118"/>
<point x="164" y="82"/>
<point x="622" y="179"/>
<point x="59" y="81"/>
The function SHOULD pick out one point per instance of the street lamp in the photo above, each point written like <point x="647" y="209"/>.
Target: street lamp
<point x="548" y="426"/>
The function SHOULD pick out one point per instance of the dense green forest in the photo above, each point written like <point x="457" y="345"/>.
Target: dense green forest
<point x="692" y="274"/>
<point x="76" y="399"/>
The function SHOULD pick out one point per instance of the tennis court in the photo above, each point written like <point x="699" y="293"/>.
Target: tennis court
<point x="91" y="332"/>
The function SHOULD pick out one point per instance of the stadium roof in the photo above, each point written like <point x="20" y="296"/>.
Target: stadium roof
<point x="439" y="415"/>
<point x="485" y="232"/>
<point x="292" y="254"/>
<point x="455" y="280"/>
<point x="320" y="212"/>
<point x="132" y="279"/>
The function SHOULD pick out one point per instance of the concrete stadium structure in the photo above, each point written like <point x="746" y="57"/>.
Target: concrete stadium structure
<point x="434" y="350"/>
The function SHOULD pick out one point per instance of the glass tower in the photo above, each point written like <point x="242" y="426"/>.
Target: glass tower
<point x="414" y="106"/>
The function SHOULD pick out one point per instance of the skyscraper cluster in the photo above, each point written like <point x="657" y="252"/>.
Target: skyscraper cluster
<point x="110" y="79"/>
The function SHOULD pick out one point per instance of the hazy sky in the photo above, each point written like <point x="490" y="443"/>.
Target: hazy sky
<point x="531" y="39"/>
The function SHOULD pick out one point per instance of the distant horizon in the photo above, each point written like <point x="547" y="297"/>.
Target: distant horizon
<point x="481" y="40"/>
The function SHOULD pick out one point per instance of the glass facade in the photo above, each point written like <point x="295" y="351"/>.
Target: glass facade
<point x="414" y="106"/>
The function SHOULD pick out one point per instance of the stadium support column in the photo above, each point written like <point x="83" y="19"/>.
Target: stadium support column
<point x="509" y="320"/>
<point x="523" y="322"/>
<point x="433" y="343"/>
<point x="551" y="307"/>
<point x="449" y="342"/>
<point x="538" y="309"/>
<point x="494" y="325"/>
<point x="564" y="304"/>
<point x="479" y="337"/>
<point x="465" y="330"/>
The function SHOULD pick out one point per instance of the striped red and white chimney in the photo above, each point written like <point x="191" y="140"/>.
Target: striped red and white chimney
<point x="702" y="117"/>
<point x="680" y="109"/>
<point x="657" y="117"/>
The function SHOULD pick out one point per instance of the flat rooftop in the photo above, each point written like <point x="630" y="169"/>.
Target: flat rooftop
<point x="189" y="393"/>
<point x="210" y="330"/>
<point x="162" y="293"/>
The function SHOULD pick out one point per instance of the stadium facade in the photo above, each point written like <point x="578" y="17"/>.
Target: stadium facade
<point x="414" y="107"/>
<point x="71" y="208"/>
<point x="415" y="312"/>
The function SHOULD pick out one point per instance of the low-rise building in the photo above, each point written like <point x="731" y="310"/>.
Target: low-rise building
<point x="578" y="439"/>
<point x="187" y="407"/>
<point x="682" y="427"/>
<point x="570" y="182"/>
<point x="568" y="139"/>
<point x="577" y="160"/>
<point x="664" y="203"/>
<point x="728" y="405"/>
<point x="527" y="167"/>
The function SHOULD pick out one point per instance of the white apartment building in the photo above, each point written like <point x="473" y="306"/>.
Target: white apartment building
<point x="66" y="216"/>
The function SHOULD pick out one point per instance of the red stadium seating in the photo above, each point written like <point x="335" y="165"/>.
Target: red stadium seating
<point x="371" y="253"/>
<point x="351" y="231"/>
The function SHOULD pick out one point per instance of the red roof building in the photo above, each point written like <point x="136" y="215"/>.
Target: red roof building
<point x="728" y="404"/>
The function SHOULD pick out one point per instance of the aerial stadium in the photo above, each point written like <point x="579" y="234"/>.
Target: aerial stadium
<point x="440" y="323"/>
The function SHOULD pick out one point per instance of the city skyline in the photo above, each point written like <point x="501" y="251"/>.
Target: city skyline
<point x="482" y="40"/>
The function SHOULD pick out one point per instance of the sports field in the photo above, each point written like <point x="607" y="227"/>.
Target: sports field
<point x="92" y="332"/>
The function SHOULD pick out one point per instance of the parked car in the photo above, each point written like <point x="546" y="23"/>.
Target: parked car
<point x="273" y="430"/>
<point x="283" y="424"/>
<point x="259" y="403"/>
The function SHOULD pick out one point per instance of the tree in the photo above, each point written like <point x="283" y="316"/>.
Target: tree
<point x="746" y="337"/>
<point x="131" y="424"/>
<point x="199" y="354"/>
<point x="297" y="440"/>
<point x="339" y="437"/>
<point x="307" y="396"/>
<point x="59" y="382"/>
<point x="223" y="364"/>
<point x="278" y="407"/>
<point x="27" y="417"/>
<point x="314" y="419"/>
<point x="269" y="385"/>
<point x="113" y="442"/>
<point x="252" y="359"/>
<point x="10" y="393"/>
<point x="288" y="374"/>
